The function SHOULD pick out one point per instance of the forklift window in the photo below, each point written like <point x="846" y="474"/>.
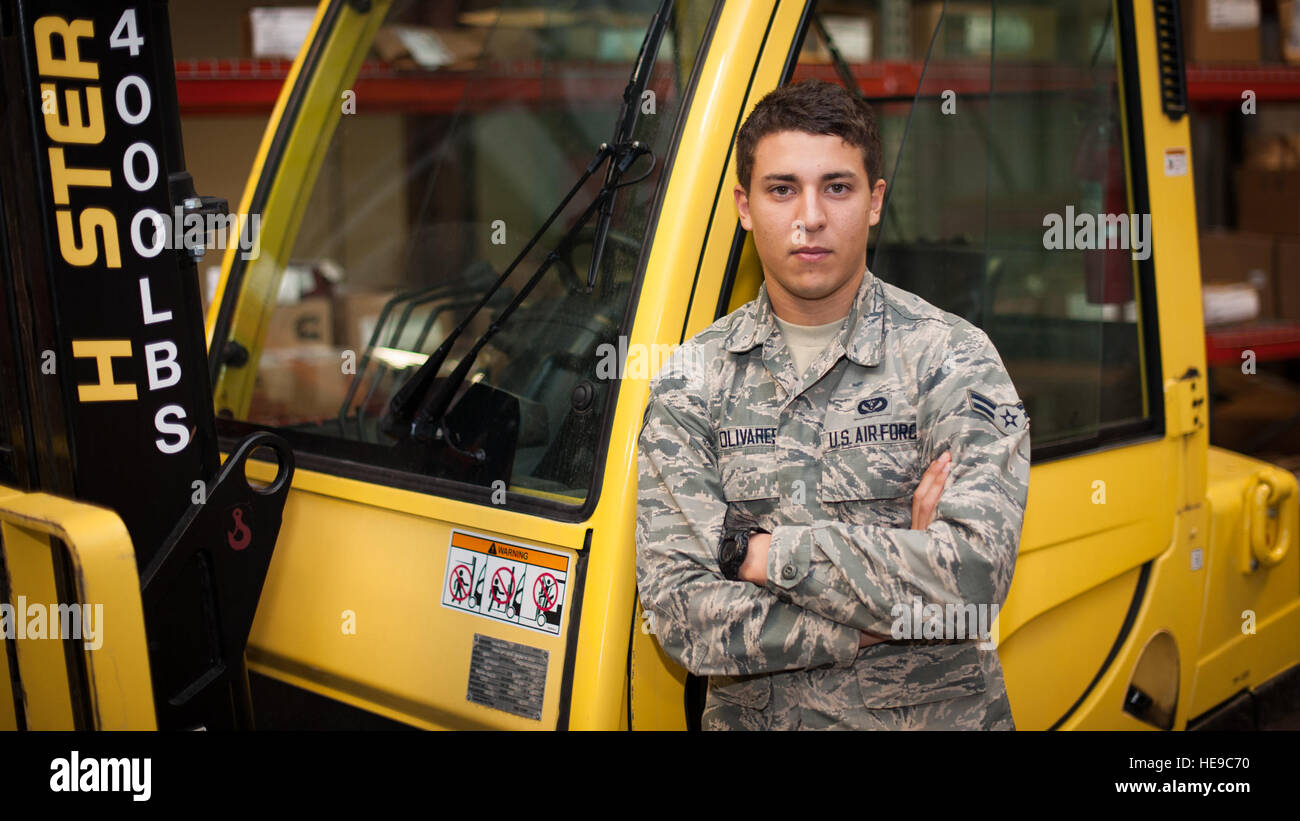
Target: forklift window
<point x="1007" y="129"/>
<point x="425" y="198"/>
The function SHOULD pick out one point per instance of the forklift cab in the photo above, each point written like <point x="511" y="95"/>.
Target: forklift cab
<point x="457" y="544"/>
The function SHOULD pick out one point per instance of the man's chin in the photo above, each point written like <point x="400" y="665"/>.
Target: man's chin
<point x="813" y="288"/>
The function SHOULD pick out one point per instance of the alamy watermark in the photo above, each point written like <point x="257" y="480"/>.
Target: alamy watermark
<point x="1086" y="232"/>
<point x="948" y="621"/>
<point x="922" y="621"/>
<point x="53" y="621"/>
<point x="183" y="230"/>
<point x="628" y="360"/>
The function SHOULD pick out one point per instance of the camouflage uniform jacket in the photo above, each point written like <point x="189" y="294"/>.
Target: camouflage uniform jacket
<point x="829" y="464"/>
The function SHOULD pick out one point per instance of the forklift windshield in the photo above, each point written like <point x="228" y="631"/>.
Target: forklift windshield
<point x="455" y="140"/>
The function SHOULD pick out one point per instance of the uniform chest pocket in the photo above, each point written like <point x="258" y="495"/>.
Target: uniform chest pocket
<point x="873" y="471"/>
<point x="749" y="474"/>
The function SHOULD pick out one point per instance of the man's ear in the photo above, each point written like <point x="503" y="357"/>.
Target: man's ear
<point x="742" y="206"/>
<point x="877" y="200"/>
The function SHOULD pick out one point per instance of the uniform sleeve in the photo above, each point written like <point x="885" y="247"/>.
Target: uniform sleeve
<point x="858" y="575"/>
<point x="708" y="624"/>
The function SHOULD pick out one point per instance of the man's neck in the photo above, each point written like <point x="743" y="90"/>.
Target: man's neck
<point x="830" y="308"/>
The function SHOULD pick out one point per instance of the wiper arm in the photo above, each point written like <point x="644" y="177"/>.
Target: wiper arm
<point x="416" y="409"/>
<point x="625" y="127"/>
<point x="841" y="65"/>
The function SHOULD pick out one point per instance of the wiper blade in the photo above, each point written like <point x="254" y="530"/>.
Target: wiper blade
<point x="841" y="65"/>
<point x="417" y="409"/>
<point x="625" y="126"/>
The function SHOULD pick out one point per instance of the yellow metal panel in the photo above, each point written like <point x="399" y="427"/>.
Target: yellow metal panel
<point x="47" y="699"/>
<point x="1079" y="534"/>
<point x="695" y="211"/>
<point x="1234" y="655"/>
<point x="342" y="53"/>
<point x="722" y="227"/>
<point x="1173" y="588"/>
<point x="409" y="656"/>
<point x="8" y="717"/>
<point x="104" y="569"/>
<point x="1042" y="692"/>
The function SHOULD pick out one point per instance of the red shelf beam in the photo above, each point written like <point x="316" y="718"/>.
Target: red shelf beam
<point x="1225" y="84"/>
<point x="251" y="86"/>
<point x="1270" y="341"/>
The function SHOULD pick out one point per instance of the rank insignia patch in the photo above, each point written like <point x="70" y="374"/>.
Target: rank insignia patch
<point x="1006" y="418"/>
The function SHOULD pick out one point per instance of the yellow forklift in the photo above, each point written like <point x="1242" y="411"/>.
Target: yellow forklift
<point x="480" y="230"/>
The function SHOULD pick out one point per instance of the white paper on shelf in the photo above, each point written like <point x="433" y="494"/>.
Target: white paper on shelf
<point x="1237" y="302"/>
<point x="280" y="32"/>
<point x="851" y="35"/>
<point x="425" y="47"/>
<point x="1222" y="15"/>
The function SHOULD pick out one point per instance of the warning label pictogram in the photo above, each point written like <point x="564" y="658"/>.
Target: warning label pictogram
<point x="490" y="578"/>
<point x="460" y="580"/>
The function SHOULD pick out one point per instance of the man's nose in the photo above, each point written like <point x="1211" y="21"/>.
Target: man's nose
<point x="811" y="214"/>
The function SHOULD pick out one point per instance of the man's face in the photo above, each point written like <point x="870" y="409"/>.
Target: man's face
<point x="810" y="208"/>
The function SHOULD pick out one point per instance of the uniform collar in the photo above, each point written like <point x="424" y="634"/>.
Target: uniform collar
<point x="863" y="345"/>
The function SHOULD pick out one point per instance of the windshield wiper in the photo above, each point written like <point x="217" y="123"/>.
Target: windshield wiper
<point x="418" y="408"/>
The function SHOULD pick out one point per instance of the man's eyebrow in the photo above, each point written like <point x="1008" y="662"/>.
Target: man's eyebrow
<point x="829" y="175"/>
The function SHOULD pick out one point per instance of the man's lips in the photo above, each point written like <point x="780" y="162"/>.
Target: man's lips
<point x="811" y="253"/>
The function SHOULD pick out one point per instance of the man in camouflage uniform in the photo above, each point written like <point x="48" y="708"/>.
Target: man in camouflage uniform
<point x="826" y="460"/>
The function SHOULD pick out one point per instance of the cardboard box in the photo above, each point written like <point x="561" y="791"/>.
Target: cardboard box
<point x="1025" y="32"/>
<point x="1228" y="304"/>
<point x="1268" y="201"/>
<point x="1275" y="152"/>
<point x="1236" y="257"/>
<point x="1256" y="403"/>
<point x="356" y="315"/>
<point x="1287" y="273"/>
<point x="421" y="47"/>
<point x="309" y="322"/>
<point x="853" y="36"/>
<point x="278" y="32"/>
<point x="299" y="385"/>
<point x="1220" y="31"/>
<point x="1288" y="20"/>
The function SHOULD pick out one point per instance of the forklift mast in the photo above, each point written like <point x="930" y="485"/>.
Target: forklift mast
<point x="104" y="389"/>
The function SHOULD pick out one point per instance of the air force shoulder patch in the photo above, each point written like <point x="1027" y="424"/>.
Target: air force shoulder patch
<point x="1006" y="418"/>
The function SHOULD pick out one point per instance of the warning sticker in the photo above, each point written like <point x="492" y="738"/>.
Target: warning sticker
<point x="504" y="581"/>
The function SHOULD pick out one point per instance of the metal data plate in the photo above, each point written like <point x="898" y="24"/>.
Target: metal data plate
<point x="507" y="676"/>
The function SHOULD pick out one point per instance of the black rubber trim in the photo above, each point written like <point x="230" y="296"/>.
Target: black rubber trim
<point x="729" y="275"/>
<point x="284" y="129"/>
<point x="1142" y="204"/>
<point x="1139" y="592"/>
<point x="1169" y="48"/>
<point x="631" y="636"/>
<point x="577" y="584"/>
<point x="731" y="146"/>
<point x="738" y="238"/>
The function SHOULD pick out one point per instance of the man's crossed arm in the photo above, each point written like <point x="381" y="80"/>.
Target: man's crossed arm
<point x="842" y="579"/>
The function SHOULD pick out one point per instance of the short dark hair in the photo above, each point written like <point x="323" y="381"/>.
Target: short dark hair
<point x="813" y="107"/>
